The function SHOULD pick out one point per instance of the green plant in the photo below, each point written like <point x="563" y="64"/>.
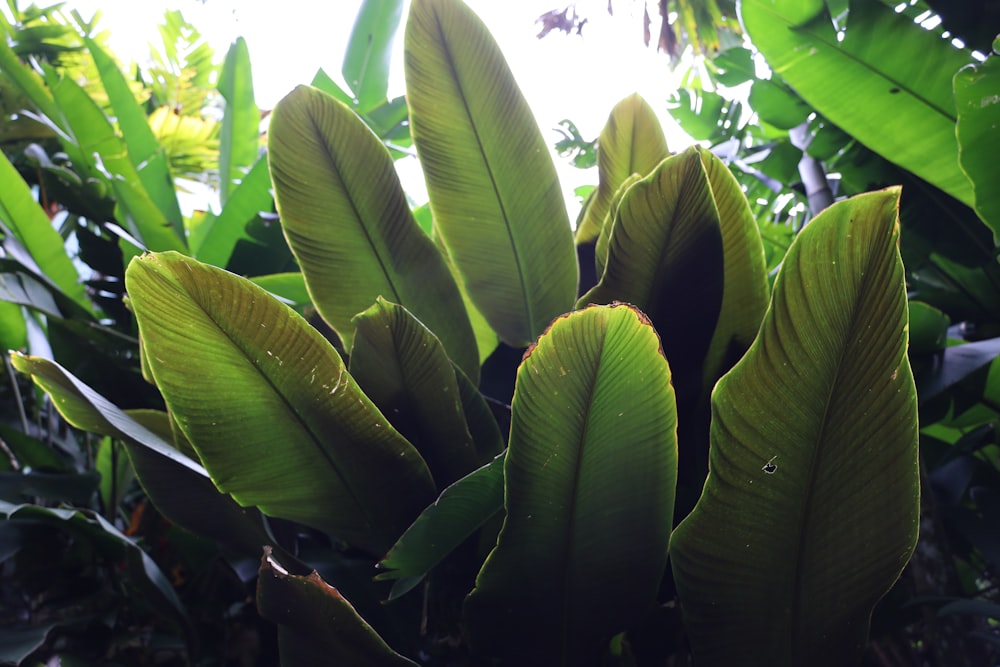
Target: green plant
<point x="548" y="545"/>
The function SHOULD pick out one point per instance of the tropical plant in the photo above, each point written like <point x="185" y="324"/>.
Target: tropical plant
<point x="539" y="532"/>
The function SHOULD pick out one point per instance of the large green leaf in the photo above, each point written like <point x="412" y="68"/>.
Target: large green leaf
<point x="369" y="51"/>
<point x="350" y="227"/>
<point x="403" y="368"/>
<point x="886" y="72"/>
<point x="977" y="96"/>
<point x="270" y="408"/>
<point x="665" y="256"/>
<point x="316" y="624"/>
<point x="146" y="154"/>
<point x="810" y="509"/>
<point x="31" y="227"/>
<point x="631" y="142"/>
<point x="589" y="490"/>
<point x="239" y="143"/>
<point x="493" y="188"/>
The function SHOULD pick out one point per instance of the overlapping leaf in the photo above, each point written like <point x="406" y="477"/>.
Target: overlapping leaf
<point x="493" y="188"/>
<point x="348" y="223"/>
<point x="868" y="79"/>
<point x="665" y="256"/>
<point x="977" y="96"/>
<point x="589" y="489"/>
<point x="403" y="368"/>
<point x="270" y="408"/>
<point x="810" y="509"/>
<point x="631" y="142"/>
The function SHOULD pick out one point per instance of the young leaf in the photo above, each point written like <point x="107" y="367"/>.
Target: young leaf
<point x="665" y="256"/>
<point x="239" y="143"/>
<point x="493" y="188"/>
<point x="348" y="223"/>
<point x="215" y="237"/>
<point x="810" y="509"/>
<point x="631" y="142"/>
<point x="236" y="366"/>
<point x="369" y="51"/>
<point x="455" y="515"/>
<point x="589" y="493"/>
<point x="403" y="368"/>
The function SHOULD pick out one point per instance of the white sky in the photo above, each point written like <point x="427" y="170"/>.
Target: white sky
<point x="561" y="76"/>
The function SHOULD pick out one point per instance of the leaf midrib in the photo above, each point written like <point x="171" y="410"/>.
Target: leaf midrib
<point x="798" y="601"/>
<point x="349" y="197"/>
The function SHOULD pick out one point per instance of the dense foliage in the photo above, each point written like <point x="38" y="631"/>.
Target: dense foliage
<point x="686" y="430"/>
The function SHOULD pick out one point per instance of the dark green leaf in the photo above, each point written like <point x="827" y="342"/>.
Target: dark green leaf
<point x="460" y="510"/>
<point x="403" y="368"/>
<point x="316" y="624"/>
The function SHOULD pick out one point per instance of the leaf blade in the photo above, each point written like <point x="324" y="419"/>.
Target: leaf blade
<point x="814" y="427"/>
<point x="492" y="184"/>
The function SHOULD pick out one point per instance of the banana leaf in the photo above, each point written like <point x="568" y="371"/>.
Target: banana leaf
<point x="268" y="405"/>
<point x="870" y="79"/>
<point x="811" y="507"/>
<point x="493" y="188"/>
<point x="348" y="222"/>
<point x="588" y="486"/>
<point x="977" y="95"/>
